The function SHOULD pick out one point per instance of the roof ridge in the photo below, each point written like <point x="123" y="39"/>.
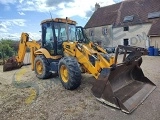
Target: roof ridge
<point x="119" y="12"/>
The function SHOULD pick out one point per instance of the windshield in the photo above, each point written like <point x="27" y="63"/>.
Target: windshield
<point x="81" y="35"/>
<point x="61" y="31"/>
<point x="72" y="32"/>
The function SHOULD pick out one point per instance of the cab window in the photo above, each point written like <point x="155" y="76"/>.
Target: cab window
<point x="47" y="37"/>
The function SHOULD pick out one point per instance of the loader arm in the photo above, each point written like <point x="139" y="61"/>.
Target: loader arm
<point x="90" y="59"/>
<point x="94" y="62"/>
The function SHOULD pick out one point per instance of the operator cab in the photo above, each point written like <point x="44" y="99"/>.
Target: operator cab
<point x="55" y="32"/>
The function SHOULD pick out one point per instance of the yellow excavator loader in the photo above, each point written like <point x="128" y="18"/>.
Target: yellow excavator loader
<point x="65" y="50"/>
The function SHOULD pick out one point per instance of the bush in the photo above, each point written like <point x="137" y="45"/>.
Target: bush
<point x="8" y="48"/>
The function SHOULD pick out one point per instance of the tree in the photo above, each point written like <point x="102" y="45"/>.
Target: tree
<point x="8" y="47"/>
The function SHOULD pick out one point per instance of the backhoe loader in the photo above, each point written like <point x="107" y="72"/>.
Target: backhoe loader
<point x="65" y="50"/>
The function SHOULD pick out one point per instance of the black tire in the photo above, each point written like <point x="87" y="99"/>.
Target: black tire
<point x="45" y="73"/>
<point x="74" y="73"/>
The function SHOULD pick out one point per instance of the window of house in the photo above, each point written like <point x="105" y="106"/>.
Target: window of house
<point x="126" y="28"/>
<point x="91" y="33"/>
<point x="128" y="18"/>
<point x="104" y="31"/>
<point x="153" y="15"/>
<point x="125" y="42"/>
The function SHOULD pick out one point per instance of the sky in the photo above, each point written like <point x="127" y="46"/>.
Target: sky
<point x="17" y="16"/>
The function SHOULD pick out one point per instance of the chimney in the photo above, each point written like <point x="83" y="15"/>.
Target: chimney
<point x="97" y="6"/>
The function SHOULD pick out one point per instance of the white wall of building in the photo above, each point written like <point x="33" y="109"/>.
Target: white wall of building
<point x="137" y="35"/>
<point x="98" y="36"/>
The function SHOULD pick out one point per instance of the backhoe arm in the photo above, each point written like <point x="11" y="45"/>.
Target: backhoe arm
<point x="23" y="45"/>
<point x="17" y="61"/>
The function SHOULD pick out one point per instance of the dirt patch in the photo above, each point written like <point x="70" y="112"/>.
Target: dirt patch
<point x="24" y="96"/>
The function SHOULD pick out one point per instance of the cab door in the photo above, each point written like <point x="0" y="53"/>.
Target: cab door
<point x="48" y="37"/>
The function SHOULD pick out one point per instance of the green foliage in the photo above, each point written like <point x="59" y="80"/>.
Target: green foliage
<point x="8" y="48"/>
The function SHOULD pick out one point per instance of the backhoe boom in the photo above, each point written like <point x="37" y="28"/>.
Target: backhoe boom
<point x="17" y="61"/>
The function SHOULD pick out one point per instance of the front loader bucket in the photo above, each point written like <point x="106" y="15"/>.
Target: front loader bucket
<point x="11" y="64"/>
<point x="124" y="87"/>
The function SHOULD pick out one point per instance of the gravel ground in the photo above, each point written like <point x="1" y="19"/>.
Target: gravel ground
<point x="24" y="96"/>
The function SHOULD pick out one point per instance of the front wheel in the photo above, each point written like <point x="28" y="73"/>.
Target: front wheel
<point x="69" y="73"/>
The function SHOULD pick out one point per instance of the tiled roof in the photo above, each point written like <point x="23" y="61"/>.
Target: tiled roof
<point x="114" y="14"/>
<point x="103" y="16"/>
<point x="155" y="28"/>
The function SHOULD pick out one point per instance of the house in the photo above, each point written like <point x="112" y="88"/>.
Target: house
<point x="131" y="22"/>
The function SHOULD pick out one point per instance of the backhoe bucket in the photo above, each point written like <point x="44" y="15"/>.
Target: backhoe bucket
<point x="11" y="64"/>
<point x="124" y="87"/>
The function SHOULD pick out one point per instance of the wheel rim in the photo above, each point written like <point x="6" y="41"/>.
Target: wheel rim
<point x="39" y="67"/>
<point x="64" y="73"/>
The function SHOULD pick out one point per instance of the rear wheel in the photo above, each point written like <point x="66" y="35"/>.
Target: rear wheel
<point x="41" y="67"/>
<point x="69" y="73"/>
